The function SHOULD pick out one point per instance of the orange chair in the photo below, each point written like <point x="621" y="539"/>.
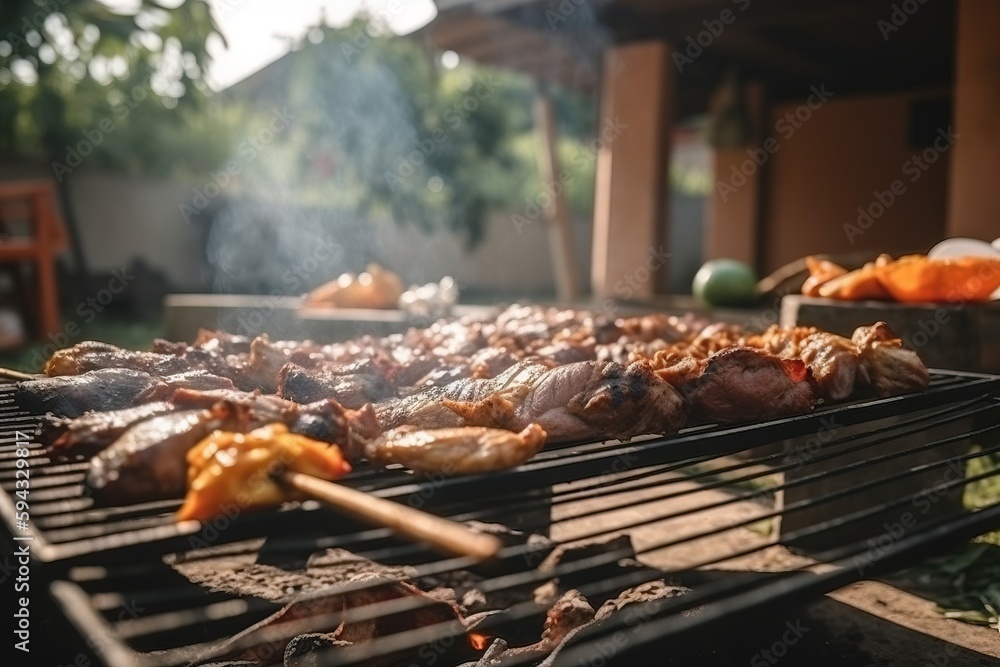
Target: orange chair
<point x="38" y="244"/>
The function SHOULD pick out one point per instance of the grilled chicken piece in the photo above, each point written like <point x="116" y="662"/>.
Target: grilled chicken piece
<point x="92" y="355"/>
<point x="580" y="400"/>
<point x="890" y="369"/>
<point x="834" y="365"/>
<point x="784" y="342"/>
<point x="833" y="361"/>
<point x="92" y="432"/>
<point x="743" y="384"/>
<point x="325" y="420"/>
<point x="73" y="395"/>
<point x="352" y="386"/>
<point x="147" y="462"/>
<point x="488" y="363"/>
<point x="678" y="369"/>
<point x="196" y="380"/>
<point x="456" y="451"/>
<point x="234" y="469"/>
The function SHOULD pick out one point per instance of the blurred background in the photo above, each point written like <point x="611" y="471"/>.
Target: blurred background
<point x="556" y="151"/>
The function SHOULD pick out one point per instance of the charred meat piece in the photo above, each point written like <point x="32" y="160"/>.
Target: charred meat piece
<point x="330" y="422"/>
<point x="580" y="400"/>
<point x="73" y="395"/>
<point x="92" y="432"/>
<point x="326" y="420"/>
<point x="889" y="367"/>
<point x="262" y="404"/>
<point x="148" y="461"/>
<point x="92" y="355"/>
<point x="351" y="386"/>
<point x="258" y="370"/>
<point x="743" y="384"/>
<point x="459" y="451"/>
<point x="198" y="380"/>
<point x="833" y="360"/>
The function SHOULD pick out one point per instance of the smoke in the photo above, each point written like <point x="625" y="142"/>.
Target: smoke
<point x="302" y="189"/>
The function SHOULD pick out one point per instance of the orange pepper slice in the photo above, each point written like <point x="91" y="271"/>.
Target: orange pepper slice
<point x="231" y="472"/>
<point x="919" y="279"/>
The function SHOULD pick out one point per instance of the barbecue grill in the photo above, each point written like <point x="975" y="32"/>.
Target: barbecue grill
<point x="840" y="479"/>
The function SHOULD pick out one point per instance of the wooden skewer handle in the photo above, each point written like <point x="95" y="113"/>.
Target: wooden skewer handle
<point x="443" y="534"/>
<point x="11" y="374"/>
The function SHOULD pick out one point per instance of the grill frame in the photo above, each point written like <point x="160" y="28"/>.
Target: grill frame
<point x="570" y="462"/>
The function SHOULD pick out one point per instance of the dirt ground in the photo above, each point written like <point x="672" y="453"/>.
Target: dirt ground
<point x="866" y="623"/>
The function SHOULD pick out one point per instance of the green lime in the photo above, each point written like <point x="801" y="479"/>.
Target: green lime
<point x="725" y="282"/>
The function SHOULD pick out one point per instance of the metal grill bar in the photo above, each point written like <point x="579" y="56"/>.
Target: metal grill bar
<point x="583" y="467"/>
<point x="154" y="537"/>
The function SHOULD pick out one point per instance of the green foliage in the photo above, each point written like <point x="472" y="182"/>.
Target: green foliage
<point x="384" y="130"/>
<point x="381" y="129"/>
<point x="69" y="67"/>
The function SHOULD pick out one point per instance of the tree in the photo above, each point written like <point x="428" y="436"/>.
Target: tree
<point x="77" y="79"/>
<point x="384" y="130"/>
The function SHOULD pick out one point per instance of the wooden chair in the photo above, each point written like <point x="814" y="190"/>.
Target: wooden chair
<point x="38" y="244"/>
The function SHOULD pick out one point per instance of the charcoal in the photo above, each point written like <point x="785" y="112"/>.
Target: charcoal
<point x="307" y="650"/>
<point x="323" y="570"/>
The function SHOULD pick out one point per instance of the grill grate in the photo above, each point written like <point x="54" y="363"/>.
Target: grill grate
<point x="675" y="496"/>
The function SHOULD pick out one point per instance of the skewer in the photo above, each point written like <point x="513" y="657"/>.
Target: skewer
<point x="11" y="374"/>
<point x="443" y="534"/>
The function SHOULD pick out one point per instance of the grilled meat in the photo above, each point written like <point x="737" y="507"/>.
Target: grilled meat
<point x="833" y="360"/>
<point x="324" y="420"/>
<point x="352" y="386"/>
<point x="574" y="374"/>
<point x="579" y="400"/>
<point x="678" y="369"/>
<point x="196" y="380"/>
<point x="741" y="384"/>
<point x="834" y="364"/>
<point x="872" y="360"/>
<point x="148" y="461"/>
<point x="456" y="451"/>
<point x="890" y="369"/>
<point x="73" y="395"/>
<point x="92" y="355"/>
<point x="92" y="432"/>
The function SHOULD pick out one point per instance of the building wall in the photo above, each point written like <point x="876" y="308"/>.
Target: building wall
<point x="508" y="262"/>
<point x="123" y="219"/>
<point x="835" y="162"/>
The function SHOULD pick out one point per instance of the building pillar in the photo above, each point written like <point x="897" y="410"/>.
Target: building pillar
<point x="973" y="202"/>
<point x="632" y="185"/>
<point x="732" y="221"/>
